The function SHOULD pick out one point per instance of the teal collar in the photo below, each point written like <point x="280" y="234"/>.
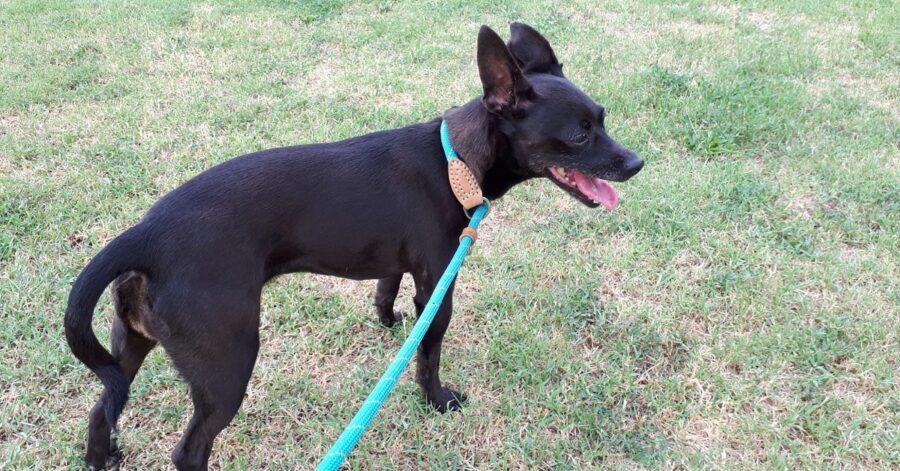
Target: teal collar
<point x="445" y="141"/>
<point x="462" y="181"/>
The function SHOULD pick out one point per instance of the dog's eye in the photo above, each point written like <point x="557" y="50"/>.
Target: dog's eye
<point x="581" y="139"/>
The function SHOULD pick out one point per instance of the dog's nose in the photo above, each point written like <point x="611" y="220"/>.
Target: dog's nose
<point x="634" y="165"/>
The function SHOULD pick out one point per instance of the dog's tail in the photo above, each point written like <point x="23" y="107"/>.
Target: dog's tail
<point x="124" y="253"/>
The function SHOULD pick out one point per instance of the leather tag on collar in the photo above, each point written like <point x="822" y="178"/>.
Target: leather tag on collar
<point x="464" y="185"/>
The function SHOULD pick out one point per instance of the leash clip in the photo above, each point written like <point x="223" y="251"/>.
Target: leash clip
<point x="486" y="203"/>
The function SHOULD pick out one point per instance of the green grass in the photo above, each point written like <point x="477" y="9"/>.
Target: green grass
<point x="739" y="310"/>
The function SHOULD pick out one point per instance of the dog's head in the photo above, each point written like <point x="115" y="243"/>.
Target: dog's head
<point x="554" y="128"/>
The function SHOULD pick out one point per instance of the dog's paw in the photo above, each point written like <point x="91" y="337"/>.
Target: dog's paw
<point x="115" y="458"/>
<point x="391" y="321"/>
<point x="108" y="462"/>
<point x="446" y="400"/>
<point x="111" y="463"/>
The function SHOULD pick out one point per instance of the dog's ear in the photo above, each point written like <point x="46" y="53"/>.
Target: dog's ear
<point x="533" y="51"/>
<point x="505" y="86"/>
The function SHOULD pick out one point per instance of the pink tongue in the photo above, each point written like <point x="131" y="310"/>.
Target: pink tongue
<point x="596" y="189"/>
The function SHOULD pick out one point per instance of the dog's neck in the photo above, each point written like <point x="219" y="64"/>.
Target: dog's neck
<point x="475" y="137"/>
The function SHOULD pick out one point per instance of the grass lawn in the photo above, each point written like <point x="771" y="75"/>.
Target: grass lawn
<point x="739" y="310"/>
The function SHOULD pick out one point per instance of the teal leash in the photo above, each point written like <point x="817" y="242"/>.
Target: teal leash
<point x="363" y="418"/>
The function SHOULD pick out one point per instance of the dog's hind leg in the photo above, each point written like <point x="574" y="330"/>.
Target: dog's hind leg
<point x="385" y="295"/>
<point x="129" y="348"/>
<point x="215" y="354"/>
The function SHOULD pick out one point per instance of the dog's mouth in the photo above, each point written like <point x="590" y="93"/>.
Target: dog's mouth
<point x="591" y="191"/>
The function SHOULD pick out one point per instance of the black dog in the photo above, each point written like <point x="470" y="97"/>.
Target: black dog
<point x="190" y="274"/>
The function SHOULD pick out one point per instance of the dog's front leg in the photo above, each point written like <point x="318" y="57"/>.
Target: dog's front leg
<point x="428" y="359"/>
